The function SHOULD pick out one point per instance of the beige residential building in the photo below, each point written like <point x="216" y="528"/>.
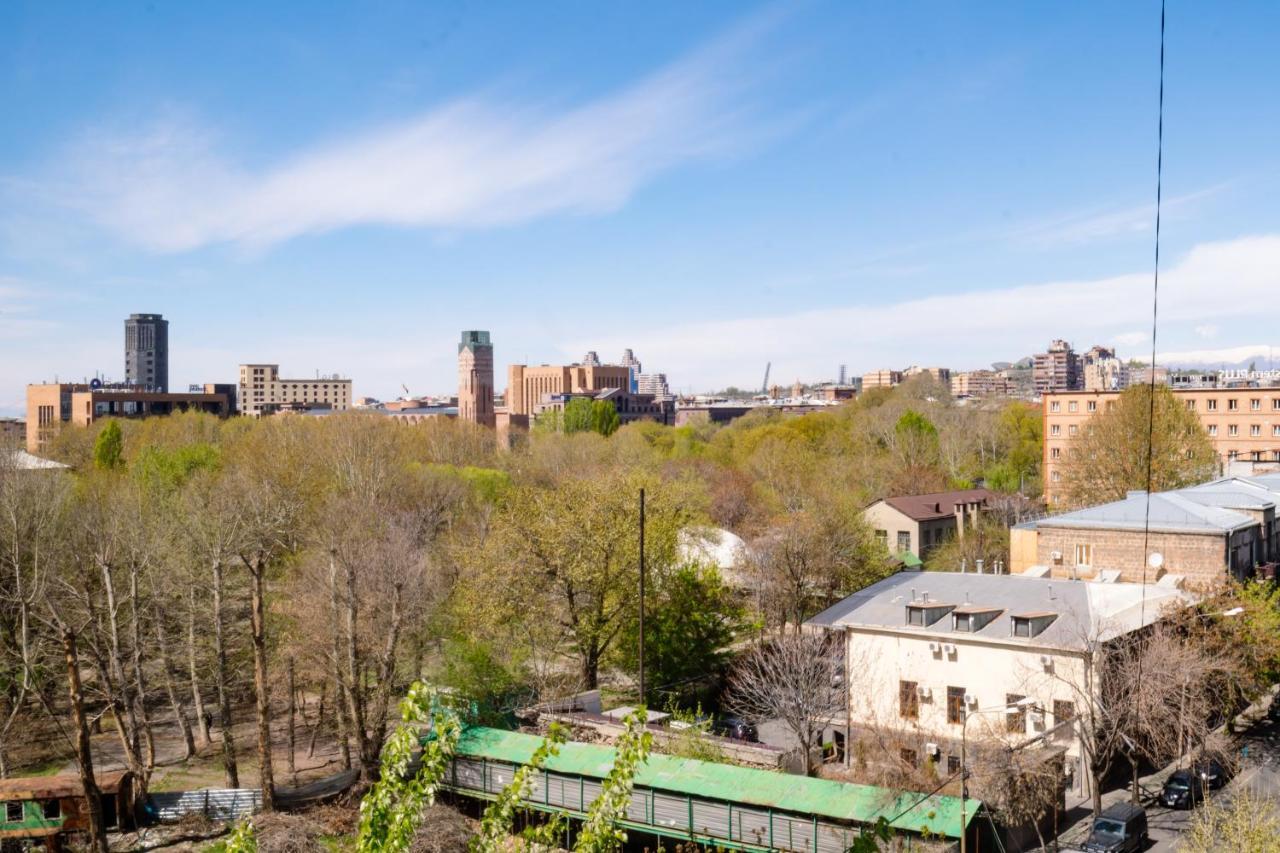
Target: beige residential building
<point x="1243" y="424"/>
<point x="931" y="657"/>
<point x="529" y="387"/>
<point x="916" y="524"/>
<point x="261" y="391"/>
<point x="942" y="374"/>
<point x="475" y="378"/>
<point x="1056" y="370"/>
<point x="881" y="379"/>
<point x="979" y="383"/>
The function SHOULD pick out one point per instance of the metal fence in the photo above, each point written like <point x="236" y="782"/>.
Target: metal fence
<point x="228" y="804"/>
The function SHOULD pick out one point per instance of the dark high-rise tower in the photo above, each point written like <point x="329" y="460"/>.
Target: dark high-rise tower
<point x="146" y="351"/>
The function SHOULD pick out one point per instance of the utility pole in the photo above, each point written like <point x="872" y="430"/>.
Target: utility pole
<point x="642" y="696"/>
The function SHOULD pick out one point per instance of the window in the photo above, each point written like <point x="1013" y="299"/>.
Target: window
<point x="1055" y="406"/>
<point x="1056" y="476"/>
<point x="1213" y="429"/>
<point x="908" y="700"/>
<point x="13" y="811"/>
<point x="1111" y="404"/>
<point x="1211" y="405"/>
<point x="1055" y="429"/>
<point x="908" y="756"/>
<point x="1255" y="429"/>
<point x="1073" y="406"/>
<point x="882" y="536"/>
<point x="1255" y="404"/>
<point x="1015" y="719"/>
<point x="955" y="704"/>
<point x="1093" y="405"/>
<point x="1063" y="710"/>
<point x="1275" y="430"/>
<point x="1055" y="452"/>
<point x="52" y="809"/>
<point x="1233" y="404"/>
<point x="1233" y="429"/>
<point x="1191" y="405"/>
<point x="953" y="765"/>
<point x="1275" y="404"/>
<point x="1073" y="429"/>
<point x="1084" y="555"/>
<point x="904" y="540"/>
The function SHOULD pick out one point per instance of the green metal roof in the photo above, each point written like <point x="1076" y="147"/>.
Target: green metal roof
<point x="937" y="814"/>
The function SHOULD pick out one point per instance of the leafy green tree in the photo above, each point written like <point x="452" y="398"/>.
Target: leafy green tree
<point x="392" y="809"/>
<point x="1109" y="456"/>
<point x="604" y="417"/>
<point x="691" y="620"/>
<point x="1246" y="823"/>
<point x="1021" y="434"/>
<point x="577" y="414"/>
<point x="243" y="838"/>
<point x="108" y="449"/>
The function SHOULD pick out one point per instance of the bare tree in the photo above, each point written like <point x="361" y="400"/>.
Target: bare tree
<point x="795" y="679"/>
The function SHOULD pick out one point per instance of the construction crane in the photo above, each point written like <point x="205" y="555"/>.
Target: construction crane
<point x="764" y="386"/>
<point x="406" y="390"/>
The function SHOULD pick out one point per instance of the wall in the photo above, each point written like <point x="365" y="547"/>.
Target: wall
<point x="1200" y="558"/>
<point x="988" y="669"/>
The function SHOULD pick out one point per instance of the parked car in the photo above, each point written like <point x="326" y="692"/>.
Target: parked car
<point x="1121" y="828"/>
<point x="737" y="729"/>
<point x="1182" y="790"/>
<point x="1212" y="772"/>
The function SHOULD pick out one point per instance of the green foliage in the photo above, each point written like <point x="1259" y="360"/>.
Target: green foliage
<point x="392" y="809"/>
<point x="488" y="484"/>
<point x="108" y="449"/>
<point x="582" y="414"/>
<point x="242" y="838"/>
<point x="916" y="426"/>
<point x="691" y="620"/>
<point x="692" y="738"/>
<point x="473" y="669"/>
<point x="169" y="469"/>
<point x="498" y="819"/>
<point x="1021" y="437"/>
<point x="600" y="832"/>
<point x="871" y="837"/>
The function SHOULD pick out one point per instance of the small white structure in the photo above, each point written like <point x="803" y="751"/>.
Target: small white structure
<point x="715" y="546"/>
<point x="21" y="460"/>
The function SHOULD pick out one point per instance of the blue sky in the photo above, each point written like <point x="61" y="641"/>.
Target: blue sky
<point x="716" y="185"/>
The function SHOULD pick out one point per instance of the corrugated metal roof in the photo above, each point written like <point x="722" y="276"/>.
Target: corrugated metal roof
<point x="1087" y="610"/>
<point x="1170" y="511"/>
<point x="937" y="814"/>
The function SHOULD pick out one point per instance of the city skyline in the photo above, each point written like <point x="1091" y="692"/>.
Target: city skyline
<point x="729" y="187"/>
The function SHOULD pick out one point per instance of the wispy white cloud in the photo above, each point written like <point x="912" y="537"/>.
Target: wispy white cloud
<point x="1222" y="281"/>
<point x="1207" y="330"/>
<point x="1227" y="355"/>
<point x="1107" y="223"/>
<point x="475" y="162"/>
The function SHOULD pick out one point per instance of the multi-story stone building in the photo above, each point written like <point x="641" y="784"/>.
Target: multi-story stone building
<point x="528" y="387"/>
<point x="931" y="658"/>
<point x="941" y="374"/>
<point x="146" y="352"/>
<point x="630" y="407"/>
<point x="652" y="383"/>
<point x="1243" y="425"/>
<point x="979" y="383"/>
<point x="51" y="406"/>
<point x="475" y="378"/>
<point x="263" y="392"/>
<point x="881" y="379"/>
<point x="1056" y="370"/>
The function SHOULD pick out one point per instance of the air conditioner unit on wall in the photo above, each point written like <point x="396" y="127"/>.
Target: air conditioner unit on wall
<point x="934" y="648"/>
<point x="932" y="749"/>
<point x="970" y="699"/>
<point x="1046" y="661"/>
<point x="923" y="691"/>
<point x="949" y="648"/>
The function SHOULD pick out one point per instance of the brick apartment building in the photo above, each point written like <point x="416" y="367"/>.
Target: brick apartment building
<point x="1056" y="370"/>
<point x="1243" y="425"/>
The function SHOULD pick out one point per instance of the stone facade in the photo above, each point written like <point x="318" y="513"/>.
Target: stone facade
<point x="1201" y="558"/>
<point x="261" y="391"/>
<point x="475" y="379"/>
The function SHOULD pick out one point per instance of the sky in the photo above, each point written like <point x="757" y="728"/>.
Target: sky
<point x="343" y="188"/>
